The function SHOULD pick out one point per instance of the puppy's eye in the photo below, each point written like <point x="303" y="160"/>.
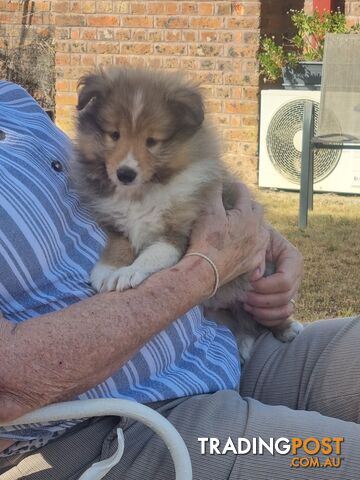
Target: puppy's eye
<point x="115" y="136"/>
<point x="151" y="142"/>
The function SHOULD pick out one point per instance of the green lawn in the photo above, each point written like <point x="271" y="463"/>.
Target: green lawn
<point x="331" y="249"/>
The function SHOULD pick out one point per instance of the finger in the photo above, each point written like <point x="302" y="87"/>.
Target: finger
<point x="277" y="283"/>
<point x="259" y="300"/>
<point x="270" y="316"/>
<point x="258" y="272"/>
<point x="257" y="264"/>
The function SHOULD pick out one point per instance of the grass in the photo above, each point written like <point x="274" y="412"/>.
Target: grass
<point x="331" y="249"/>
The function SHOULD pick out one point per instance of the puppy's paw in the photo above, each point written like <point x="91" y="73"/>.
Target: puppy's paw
<point x="245" y="345"/>
<point x="291" y="331"/>
<point x="100" y="275"/>
<point x="125" y="278"/>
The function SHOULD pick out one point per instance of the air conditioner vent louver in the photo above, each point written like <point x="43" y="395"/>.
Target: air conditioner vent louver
<point x="284" y="139"/>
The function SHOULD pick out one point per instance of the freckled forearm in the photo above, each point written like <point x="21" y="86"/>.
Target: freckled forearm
<point x="59" y="355"/>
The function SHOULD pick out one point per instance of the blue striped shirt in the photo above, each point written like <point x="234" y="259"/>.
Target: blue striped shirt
<point x="48" y="246"/>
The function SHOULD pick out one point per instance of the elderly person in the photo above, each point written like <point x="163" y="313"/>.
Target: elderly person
<point x="153" y="344"/>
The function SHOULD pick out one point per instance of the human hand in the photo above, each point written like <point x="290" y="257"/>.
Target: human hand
<point x="270" y="301"/>
<point x="235" y="240"/>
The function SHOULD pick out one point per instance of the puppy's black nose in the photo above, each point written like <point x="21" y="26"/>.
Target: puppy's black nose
<point x="126" y="175"/>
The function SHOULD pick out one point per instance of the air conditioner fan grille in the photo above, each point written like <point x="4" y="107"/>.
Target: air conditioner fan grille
<point x="283" y="142"/>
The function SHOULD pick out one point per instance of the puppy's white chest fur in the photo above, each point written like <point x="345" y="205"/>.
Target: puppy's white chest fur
<point x="142" y="219"/>
<point x="139" y="220"/>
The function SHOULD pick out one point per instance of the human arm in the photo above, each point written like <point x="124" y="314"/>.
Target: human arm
<point x="59" y="355"/>
<point x="270" y="300"/>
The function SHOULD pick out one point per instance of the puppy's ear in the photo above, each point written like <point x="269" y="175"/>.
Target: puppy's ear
<point x="187" y="106"/>
<point x="91" y="86"/>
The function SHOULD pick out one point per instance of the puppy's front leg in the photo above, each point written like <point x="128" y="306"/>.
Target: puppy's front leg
<point x="152" y="259"/>
<point x="117" y="253"/>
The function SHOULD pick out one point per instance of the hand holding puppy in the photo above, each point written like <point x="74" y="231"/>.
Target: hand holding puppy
<point x="271" y="299"/>
<point x="235" y="240"/>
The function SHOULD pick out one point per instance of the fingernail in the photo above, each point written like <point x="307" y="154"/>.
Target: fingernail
<point x="256" y="275"/>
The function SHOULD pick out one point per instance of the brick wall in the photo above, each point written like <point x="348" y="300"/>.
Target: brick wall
<point x="27" y="49"/>
<point x="215" y="42"/>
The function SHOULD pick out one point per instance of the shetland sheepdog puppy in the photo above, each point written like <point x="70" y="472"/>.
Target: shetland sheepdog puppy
<point x="146" y="164"/>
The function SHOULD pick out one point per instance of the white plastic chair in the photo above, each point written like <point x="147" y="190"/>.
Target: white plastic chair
<point x="114" y="407"/>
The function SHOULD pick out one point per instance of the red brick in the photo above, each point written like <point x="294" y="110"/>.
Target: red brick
<point x="172" y="22"/>
<point x="89" y="60"/>
<point x="250" y="121"/>
<point x="78" y="47"/>
<point x="189" y="8"/>
<point x="88" y="34"/>
<point x="137" y="49"/>
<point x="75" y="59"/>
<point x="75" y="7"/>
<point x="105" y="33"/>
<point x="62" y="59"/>
<point x="139" y="36"/>
<point x="172" y="62"/>
<point x="70" y="20"/>
<point x="206" y="8"/>
<point x="156" y="8"/>
<point x="245" y="134"/>
<point x="102" y="20"/>
<point x="250" y="93"/>
<point x="166" y="49"/>
<point x="88" y="6"/>
<point x="121" y="6"/>
<point x="247" y="23"/>
<point x="205" y="50"/>
<point x="137" y="21"/>
<point x="213" y="106"/>
<point x="105" y="60"/>
<point x="62" y="46"/>
<point x="63" y="33"/>
<point x="75" y="34"/>
<point x="206" y="22"/>
<point x="6" y="18"/>
<point x="103" y="47"/>
<point x="171" y="8"/>
<point x="60" y="7"/>
<point x="173" y="35"/>
<point x="104" y="6"/>
<point x="62" y="85"/>
<point x="208" y="36"/>
<point x="189" y="36"/>
<point x="123" y="34"/>
<point x="223" y="9"/>
<point x="138" y="8"/>
<point x="234" y="106"/>
<point x="189" y="64"/>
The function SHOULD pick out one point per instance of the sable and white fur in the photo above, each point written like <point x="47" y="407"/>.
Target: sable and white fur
<point x="147" y="164"/>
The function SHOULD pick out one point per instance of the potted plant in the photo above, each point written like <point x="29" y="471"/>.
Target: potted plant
<point x="299" y="59"/>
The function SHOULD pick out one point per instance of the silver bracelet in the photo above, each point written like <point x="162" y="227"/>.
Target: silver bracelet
<point x="215" y="270"/>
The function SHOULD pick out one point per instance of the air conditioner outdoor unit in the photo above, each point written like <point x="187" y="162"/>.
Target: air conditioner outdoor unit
<point x="281" y="142"/>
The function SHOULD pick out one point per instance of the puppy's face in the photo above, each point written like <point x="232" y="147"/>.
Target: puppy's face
<point x="137" y="125"/>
